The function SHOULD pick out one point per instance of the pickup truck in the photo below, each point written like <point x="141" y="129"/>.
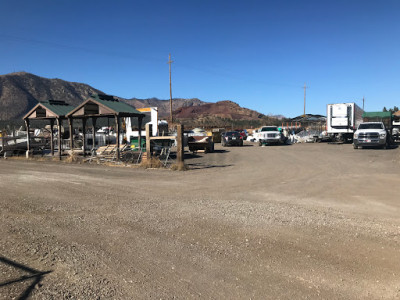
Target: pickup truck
<point x="372" y="134"/>
<point x="269" y="135"/>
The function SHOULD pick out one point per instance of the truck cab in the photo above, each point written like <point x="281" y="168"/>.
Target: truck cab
<point x="370" y="134"/>
<point x="269" y="135"/>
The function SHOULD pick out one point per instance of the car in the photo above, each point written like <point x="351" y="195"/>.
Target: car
<point x="268" y="135"/>
<point x="231" y="138"/>
<point x="243" y="133"/>
<point x="371" y="134"/>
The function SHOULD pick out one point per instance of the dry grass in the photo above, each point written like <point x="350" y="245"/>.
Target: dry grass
<point x="17" y="158"/>
<point x="152" y="163"/>
<point x="73" y="157"/>
<point x="180" y="166"/>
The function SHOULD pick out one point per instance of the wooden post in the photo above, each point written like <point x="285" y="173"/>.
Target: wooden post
<point x="148" y="148"/>
<point x="59" y="123"/>
<point x="71" y="134"/>
<point x="180" y="147"/>
<point x="94" y="132"/>
<point x="84" y="136"/>
<point x="117" y="129"/>
<point x="140" y="133"/>
<point x="51" y="137"/>
<point x="28" y="138"/>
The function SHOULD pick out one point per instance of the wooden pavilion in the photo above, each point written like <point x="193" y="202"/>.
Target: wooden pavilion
<point x="52" y="110"/>
<point x="103" y="106"/>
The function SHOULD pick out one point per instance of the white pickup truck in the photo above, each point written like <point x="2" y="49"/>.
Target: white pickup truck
<point x="372" y="134"/>
<point x="269" y="135"/>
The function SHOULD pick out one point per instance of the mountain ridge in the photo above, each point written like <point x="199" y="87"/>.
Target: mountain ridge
<point x="21" y="91"/>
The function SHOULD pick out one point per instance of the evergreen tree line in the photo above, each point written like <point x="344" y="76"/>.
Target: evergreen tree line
<point x="392" y="110"/>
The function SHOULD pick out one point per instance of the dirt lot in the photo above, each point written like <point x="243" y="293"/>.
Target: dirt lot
<point x="307" y="221"/>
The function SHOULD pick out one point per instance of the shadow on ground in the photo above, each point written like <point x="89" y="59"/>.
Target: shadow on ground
<point x="34" y="275"/>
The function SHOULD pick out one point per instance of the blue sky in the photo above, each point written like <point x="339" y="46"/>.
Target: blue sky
<point x="256" y="53"/>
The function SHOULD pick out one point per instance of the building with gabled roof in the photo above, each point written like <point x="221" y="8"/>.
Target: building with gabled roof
<point x="100" y="106"/>
<point x="52" y="110"/>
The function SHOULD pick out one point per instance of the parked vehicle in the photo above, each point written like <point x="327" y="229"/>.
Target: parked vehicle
<point x="269" y="135"/>
<point x="200" y="143"/>
<point x="342" y="121"/>
<point x="372" y="134"/>
<point x="396" y="126"/>
<point x="231" y="138"/>
<point x="243" y="133"/>
<point x="396" y="134"/>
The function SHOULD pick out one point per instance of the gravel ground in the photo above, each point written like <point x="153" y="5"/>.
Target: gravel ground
<point x="306" y="221"/>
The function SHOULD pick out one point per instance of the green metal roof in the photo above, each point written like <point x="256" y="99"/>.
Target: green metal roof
<point x="114" y="104"/>
<point x="58" y="107"/>
<point x="378" y="114"/>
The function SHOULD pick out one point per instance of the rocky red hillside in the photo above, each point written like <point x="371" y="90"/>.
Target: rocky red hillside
<point x="21" y="91"/>
<point x="221" y="109"/>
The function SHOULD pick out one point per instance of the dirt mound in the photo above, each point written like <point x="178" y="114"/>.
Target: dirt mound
<point x="222" y="109"/>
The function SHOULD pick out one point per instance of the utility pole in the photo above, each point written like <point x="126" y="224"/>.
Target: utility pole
<point x="305" y="87"/>
<point x="170" y="87"/>
<point x="363" y="102"/>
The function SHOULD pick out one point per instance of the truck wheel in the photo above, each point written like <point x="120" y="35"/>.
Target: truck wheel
<point x="259" y="143"/>
<point x="355" y="146"/>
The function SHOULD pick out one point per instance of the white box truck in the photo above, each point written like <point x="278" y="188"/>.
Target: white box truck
<point x="342" y="121"/>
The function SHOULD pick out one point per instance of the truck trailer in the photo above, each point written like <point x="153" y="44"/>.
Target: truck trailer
<point x="342" y="121"/>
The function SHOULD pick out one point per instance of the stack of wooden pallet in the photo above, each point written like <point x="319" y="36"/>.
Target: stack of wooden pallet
<point x="109" y="152"/>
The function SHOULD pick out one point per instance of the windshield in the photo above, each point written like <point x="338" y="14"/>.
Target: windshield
<point x="269" y="129"/>
<point x="371" y="126"/>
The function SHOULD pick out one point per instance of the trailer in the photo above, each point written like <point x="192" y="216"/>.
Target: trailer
<point x="342" y="121"/>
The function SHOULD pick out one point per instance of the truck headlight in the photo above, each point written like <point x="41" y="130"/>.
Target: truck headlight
<point x="382" y="135"/>
<point x="355" y="136"/>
